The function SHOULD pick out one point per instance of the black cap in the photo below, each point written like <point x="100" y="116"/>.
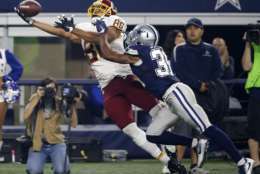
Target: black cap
<point x="195" y="22"/>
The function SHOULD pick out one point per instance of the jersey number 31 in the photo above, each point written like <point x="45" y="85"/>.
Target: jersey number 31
<point x="164" y="69"/>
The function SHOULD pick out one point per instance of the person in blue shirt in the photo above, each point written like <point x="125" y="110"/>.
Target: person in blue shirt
<point x="149" y="62"/>
<point x="10" y="72"/>
<point x="196" y="63"/>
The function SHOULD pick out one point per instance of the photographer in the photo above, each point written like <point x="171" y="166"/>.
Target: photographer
<point x="44" y="115"/>
<point x="251" y="63"/>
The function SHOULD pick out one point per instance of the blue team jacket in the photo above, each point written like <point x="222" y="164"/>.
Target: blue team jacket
<point x="194" y="64"/>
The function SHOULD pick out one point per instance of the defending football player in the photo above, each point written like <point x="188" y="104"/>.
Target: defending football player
<point x="155" y="72"/>
<point x="119" y="85"/>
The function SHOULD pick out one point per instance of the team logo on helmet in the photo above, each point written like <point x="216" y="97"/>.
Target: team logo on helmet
<point x="101" y="8"/>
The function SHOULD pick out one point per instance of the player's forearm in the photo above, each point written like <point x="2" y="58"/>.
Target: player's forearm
<point x="87" y="36"/>
<point x="49" y="29"/>
<point x="111" y="55"/>
<point x="246" y="59"/>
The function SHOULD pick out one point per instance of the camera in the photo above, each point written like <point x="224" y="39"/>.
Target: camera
<point x="253" y="35"/>
<point x="69" y="93"/>
<point x="49" y="92"/>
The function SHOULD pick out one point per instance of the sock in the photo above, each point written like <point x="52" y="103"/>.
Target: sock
<point x="156" y="152"/>
<point x="168" y="138"/>
<point x="163" y="157"/>
<point x="223" y="141"/>
<point x="152" y="149"/>
<point x="139" y="137"/>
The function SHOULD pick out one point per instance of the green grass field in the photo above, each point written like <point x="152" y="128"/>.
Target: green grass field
<point x="129" y="167"/>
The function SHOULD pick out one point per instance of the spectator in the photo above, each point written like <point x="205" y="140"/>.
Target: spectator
<point x="227" y="61"/>
<point x="201" y="60"/>
<point x="174" y="37"/>
<point x="198" y="65"/>
<point x="251" y="63"/>
<point x="43" y="115"/>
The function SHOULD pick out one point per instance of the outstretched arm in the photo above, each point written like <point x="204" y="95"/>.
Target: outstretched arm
<point x="93" y="37"/>
<point x="48" y="28"/>
<point x="114" y="56"/>
<point x="55" y="31"/>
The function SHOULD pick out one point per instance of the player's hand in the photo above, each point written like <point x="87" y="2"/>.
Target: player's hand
<point x="66" y="23"/>
<point x="28" y="20"/>
<point x="204" y="87"/>
<point x="101" y="26"/>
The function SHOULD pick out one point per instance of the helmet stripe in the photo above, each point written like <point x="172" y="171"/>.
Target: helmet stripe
<point x="155" y="33"/>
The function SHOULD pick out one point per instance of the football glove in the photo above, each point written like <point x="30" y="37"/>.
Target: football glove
<point x="66" y="23"/>
<point x="28" y="20"/>
<point x="101" y="26"/>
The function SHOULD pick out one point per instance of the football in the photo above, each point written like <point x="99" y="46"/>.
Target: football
<point x="30" y="8"/>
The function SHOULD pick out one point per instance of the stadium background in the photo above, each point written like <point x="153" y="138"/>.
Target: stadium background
<point x="44" y="55"/>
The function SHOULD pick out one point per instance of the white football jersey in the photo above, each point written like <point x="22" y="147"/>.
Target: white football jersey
<point x="106" y="70"/>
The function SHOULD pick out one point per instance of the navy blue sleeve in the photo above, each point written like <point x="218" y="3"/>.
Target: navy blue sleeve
<point x="217" y="70"/>
<point x="16" y="66"/>
<point x="132" y="50"/>
<point x="178" y="64"/>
